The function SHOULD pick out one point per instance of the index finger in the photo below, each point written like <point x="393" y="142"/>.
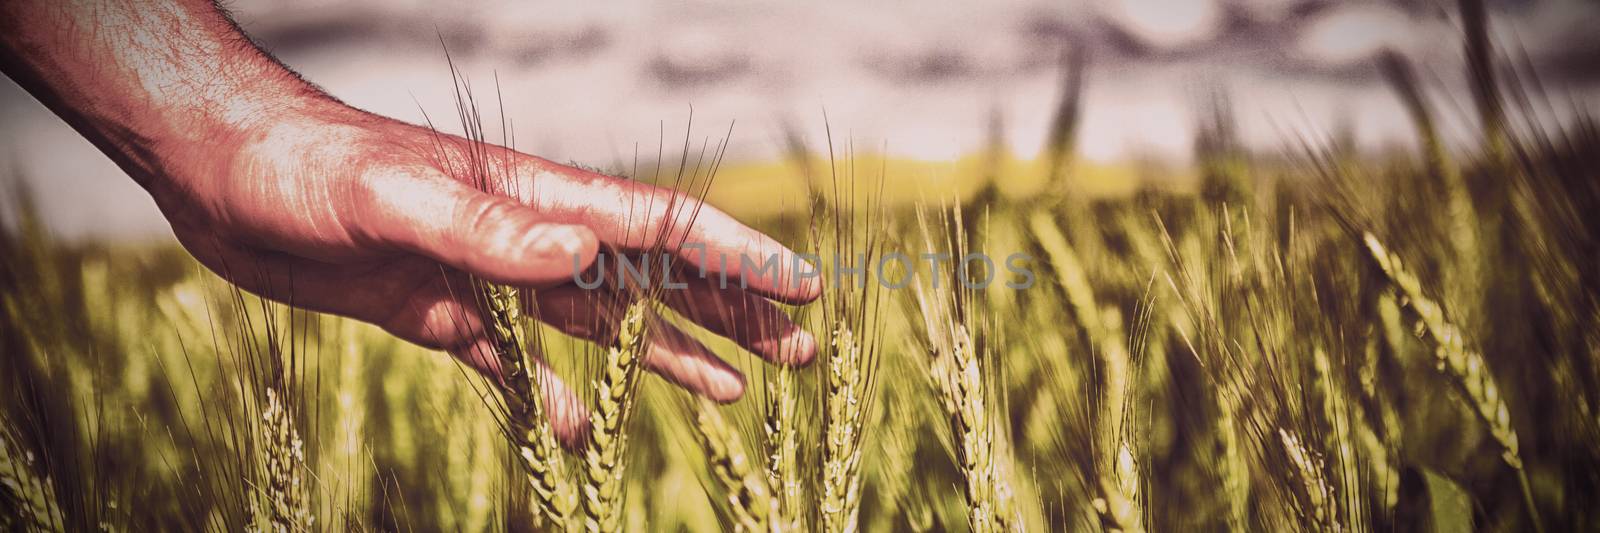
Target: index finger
<point x="639" y="216"/>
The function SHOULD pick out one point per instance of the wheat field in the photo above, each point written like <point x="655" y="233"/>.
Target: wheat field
<point x="1322" y="339"/>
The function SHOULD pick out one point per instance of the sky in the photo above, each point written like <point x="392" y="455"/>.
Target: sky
<point x="585" y="81"/>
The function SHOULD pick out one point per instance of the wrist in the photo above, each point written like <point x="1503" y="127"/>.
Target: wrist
<point x="203" y="142"/>
<point x="204" y="128"/>
<point x="160" y="87"/>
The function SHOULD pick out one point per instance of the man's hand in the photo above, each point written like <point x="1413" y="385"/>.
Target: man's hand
<point x="353" y="214"/>
<point x="297" y="197"/>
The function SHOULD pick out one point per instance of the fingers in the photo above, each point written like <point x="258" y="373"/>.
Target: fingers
<point x="493" y="237"/>
<point x="437" y="317"/>
<point x="753" y="322"/>
<point x="411" y="300"/>
<point x="564" y="410"/>
<point x="669" y="351"/>
<point x="429" y="314"/>
<point x="568" y="416"/>
<point x="634" y="215"/>
<point x="675" y="356"/>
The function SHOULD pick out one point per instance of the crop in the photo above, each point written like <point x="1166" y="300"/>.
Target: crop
<point x="1325" y="339"/>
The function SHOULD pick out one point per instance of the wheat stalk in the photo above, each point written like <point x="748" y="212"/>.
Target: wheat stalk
<point x="850" y="223"/>
<point x="842" y="429"/>
<point x="1233" y="470"/>
<point x="520" y="409"/>
<point x="1379" y="447"/>
<point x="1117" y="502"/>
<point x="783" y="468"/>
<point x="1464" y="367"/>
<point x="1332" y="407"/>
<point x="748" y="495"/>
<point x="1313" y="485"/>
<point x="1463" y="234"/>
<point x="27" y="499"/>
<point x="897" y="455"/>
<point x="965" y="392"/>
<point x="962" y="388"/>
<point x="524" y="410"/>
<point x="616" y="388"/>
<point x="281" y="502"/>
<point x="282" y="505"/>
<point x="546" y="471"/>
<point x="1351" y="442"/>
<point x="1380" y="463"/>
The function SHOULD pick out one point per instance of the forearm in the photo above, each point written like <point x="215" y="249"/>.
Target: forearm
<point x="145" y="81"/>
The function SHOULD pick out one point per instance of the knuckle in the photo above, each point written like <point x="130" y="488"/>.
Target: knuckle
<point x="482" y="215"/>
<point x="360" y="181"/>
<point x="364" y="194"/>
<point x="490" y="228"/>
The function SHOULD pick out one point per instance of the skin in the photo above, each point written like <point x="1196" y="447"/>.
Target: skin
<point x="292" y="195"/>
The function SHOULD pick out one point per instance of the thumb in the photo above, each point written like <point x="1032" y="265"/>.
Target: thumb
<point x="489" y="236"/>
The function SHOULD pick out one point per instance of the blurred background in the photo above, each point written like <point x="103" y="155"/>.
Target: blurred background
<point x="932" y="83"/>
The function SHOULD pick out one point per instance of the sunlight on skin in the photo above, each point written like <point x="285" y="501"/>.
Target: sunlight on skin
<point x="295" y="196"/>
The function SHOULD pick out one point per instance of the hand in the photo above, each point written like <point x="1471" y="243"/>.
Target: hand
<point x="299" y="198"/>
<point x="340" y="211"/>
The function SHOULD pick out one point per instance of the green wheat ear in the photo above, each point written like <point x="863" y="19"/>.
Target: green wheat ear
<point x="841" y="467"/>
<point x="616" y="388"/>
<point x="282" y="503"/>
<point x="1464" y="367"/>
<point x="966" y="386"/>
<point x="988" y="494"/>
<point x="1117" y="501"/>
<point x="748" y="495"/>
<point x="525" y="412"/>
<point x="1453" y="358"/>
<point x="1313" y="486"/>
<point x="782" y="442"/>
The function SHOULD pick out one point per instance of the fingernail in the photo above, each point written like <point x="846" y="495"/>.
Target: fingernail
<point x="569" y="240"/>
<point x="810" y="285"/>
<point x="726" y="389"/>
<point x="799" y="346"/>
